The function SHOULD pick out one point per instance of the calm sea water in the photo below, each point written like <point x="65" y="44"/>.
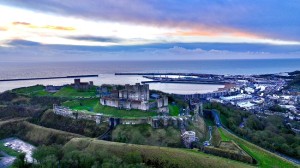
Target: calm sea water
<point x="106" y="69"/>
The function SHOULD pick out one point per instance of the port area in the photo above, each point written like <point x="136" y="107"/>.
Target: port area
<point x="184" y="78"/>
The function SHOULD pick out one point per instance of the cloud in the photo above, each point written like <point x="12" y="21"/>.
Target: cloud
<point x="21" y="23"/>
<point x="22" y="50"/>
<point x="43" y="27"/>
<point x="268" y="18"/>
<point x="58" y="28"/>
<point x="3" y="29"/>
<point x="96" y="39"/>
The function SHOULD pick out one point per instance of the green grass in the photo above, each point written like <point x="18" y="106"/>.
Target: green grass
<point x="262" y="156"/>
<point x="162" y="156"/>
<point x="223" y="136"/>
<point x="84" y="104"/>
<point x="93" y="105"/>
<point x="173" y="110"/>
<point x="69" y="91"/>
<point x="8" y="150"/>
<point x="37" y="90"/>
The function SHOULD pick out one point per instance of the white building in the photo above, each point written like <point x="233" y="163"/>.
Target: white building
<point x="245" y="104"/>
<point x="236" y="97"/>
<point x="188" y="137"/>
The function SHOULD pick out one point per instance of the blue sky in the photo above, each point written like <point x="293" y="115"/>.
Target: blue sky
<point x="148" y="30"/>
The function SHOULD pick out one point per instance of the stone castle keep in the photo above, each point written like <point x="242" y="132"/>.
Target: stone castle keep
<point x="133" y="97"/>
<point x="78" y="85"/>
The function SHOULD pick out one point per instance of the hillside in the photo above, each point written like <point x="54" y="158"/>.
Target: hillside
<point x="146" y="135"/>
<point x="262" y="156"/>
<point x="155" y="156"/>
<point x="32" y="133"/>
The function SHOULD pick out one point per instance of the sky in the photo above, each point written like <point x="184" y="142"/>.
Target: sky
<point x="75" y="30"/>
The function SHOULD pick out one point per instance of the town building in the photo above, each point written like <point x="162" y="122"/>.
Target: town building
<point x="188" y="138"/>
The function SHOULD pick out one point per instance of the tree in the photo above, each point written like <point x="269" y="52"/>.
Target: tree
<point x="20" y="162"/>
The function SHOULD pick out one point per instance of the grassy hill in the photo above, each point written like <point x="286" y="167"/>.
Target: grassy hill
<point x="262" y="156"/>
<point x="35" y="134"/>
<point x="93" y="105"/>
<point x="146" y="135"/>
<point x="155" y="156"/>
<point x="69" y="91"/>
<point x="83" y="127"/>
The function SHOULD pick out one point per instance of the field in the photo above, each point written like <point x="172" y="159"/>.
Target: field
<point x="37" y="90"/>
<point x="174" y="110"/>
<point x="69" y="91"/>
<point x="162" y="156"/>
<point x="93" y="105"/>
<point x="263" y="157"/>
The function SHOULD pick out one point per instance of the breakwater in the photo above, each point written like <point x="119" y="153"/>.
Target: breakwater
<point x="186" y="82"/>
<point x="55" y="77"/>
<point x="178" y="74"/>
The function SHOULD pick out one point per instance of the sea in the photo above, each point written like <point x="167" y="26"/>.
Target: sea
<point x="107" y="69"/>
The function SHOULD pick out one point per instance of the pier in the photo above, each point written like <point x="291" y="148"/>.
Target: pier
<point x="56" y="77"/>
<point x="186" y="82"/>
<point x="169" y="73"/>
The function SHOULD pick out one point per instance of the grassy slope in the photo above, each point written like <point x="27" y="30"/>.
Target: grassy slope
<point x="33" y="133"/>
<point x="37" y="90"/>
<point x="95" y="106"/>
<point x="8" y="150"/>
<point x="164" y="156"/>
<point x="69" y="91"/>
<point x="264" y="158"/>
<point x="174" y="110"/>
<point x="145" y="134"/>
<point x="224" y="137"/>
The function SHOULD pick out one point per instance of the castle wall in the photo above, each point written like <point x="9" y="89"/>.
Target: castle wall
<point x="160" y="103"/>
<point x="155" y="122"/>
<point x="110" y="102"/>
<point x="165" y="98"/>
<point x="135" y="92"/>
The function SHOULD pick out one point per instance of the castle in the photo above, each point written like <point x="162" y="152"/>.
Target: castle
<point x="133" y="97"/>
<point x="82" y="85"/>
